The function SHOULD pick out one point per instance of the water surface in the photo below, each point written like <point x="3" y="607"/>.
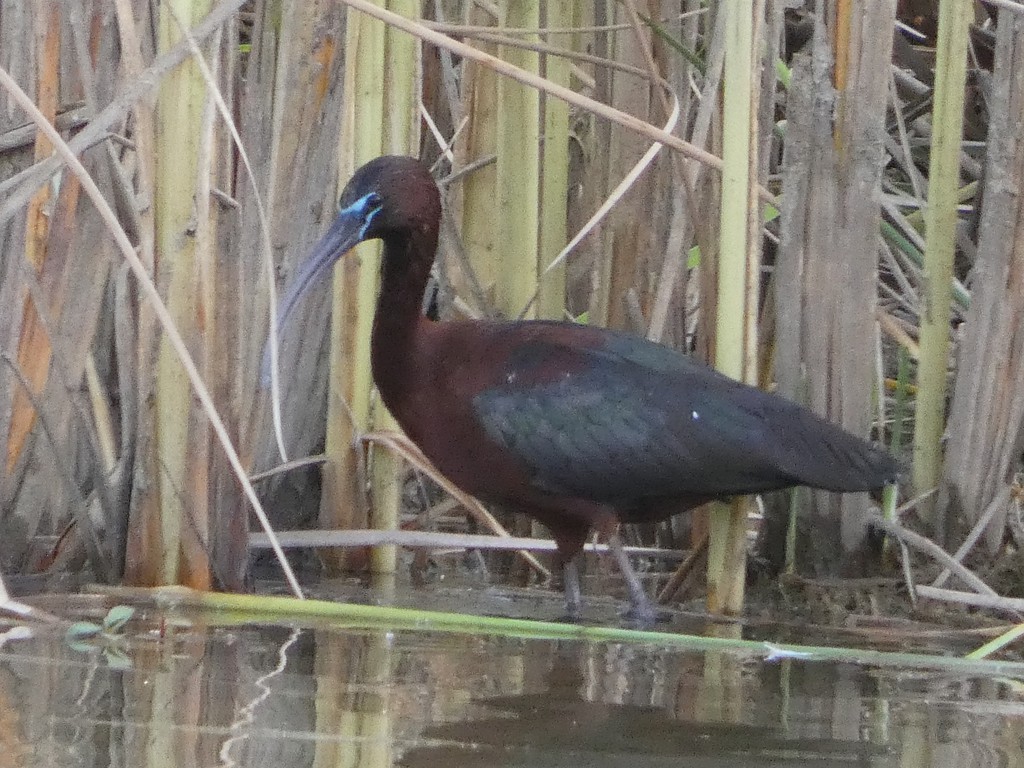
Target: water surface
<point x="191" y="690"/>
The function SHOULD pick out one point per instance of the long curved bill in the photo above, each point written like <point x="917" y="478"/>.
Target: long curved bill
<point x="346" y="231"/>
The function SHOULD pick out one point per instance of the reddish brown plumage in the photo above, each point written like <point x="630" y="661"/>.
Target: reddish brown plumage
<point x="578" y="427"/>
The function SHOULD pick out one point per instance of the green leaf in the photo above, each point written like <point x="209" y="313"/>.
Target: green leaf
<point x="82" y="630"/>
<point x="117" y="617"/>
<point x="783" y="73"/>
<point x="693" y="258"/>
<point x="116" y="658"/>
<point x="693" y="57"/>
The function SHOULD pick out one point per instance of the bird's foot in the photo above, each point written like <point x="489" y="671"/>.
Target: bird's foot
<point x="571" y="616"/>
<point x="643" y="614"/>
<point x="573" y="598"/>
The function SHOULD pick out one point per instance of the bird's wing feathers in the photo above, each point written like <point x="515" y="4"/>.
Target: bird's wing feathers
<point x="616" y="417"/>
<point x="628" y="419"/>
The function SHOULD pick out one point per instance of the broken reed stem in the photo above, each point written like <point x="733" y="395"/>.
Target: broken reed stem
<point x="675" y="581"/>
<point x="436" y="540"/>
<point x="1000" y="500"/>
<point x="998" y="602"/>
<point x="933" y="550"/>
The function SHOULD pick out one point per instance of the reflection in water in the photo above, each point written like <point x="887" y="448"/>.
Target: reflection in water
<point x="287" y="698"/>
<point x="559" y="727"/>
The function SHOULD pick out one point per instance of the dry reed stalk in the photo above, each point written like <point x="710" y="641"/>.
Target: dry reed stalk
<point x="826" y="273"/>
<point x="554" y="167"/>
<point x="296" y="66"/>
<point x="517" y="189"/>
<point x="152" y="295"/>
<point x="401" y="118"/>
<point x="381" y="116"/>
<point x="737" y="291"/>
<point x="632" y="233"/>
<point x="185" y="232"/>
<point x="473" y="201"/>
<point x="34" y="343"/>
<point x="940" y="230"/>
<point x="986" y="422"/>
<point x="343" y="503"/>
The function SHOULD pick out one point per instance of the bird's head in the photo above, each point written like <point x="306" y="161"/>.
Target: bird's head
<point x="390" y="196"/>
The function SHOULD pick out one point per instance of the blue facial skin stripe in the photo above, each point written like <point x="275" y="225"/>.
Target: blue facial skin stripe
<point x="368" y="222"/>
<point x="361" y="209"/>
<point x="357" y="208"/>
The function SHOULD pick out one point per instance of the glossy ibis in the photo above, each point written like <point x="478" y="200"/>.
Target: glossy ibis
<point x="578" y="427"/>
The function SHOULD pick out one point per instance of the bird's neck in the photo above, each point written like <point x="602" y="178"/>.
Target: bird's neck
<point x="399" y="321"/>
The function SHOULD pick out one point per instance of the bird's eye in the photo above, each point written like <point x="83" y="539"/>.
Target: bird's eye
<point x="372" y="205"/>
<point x="365" y="207"/>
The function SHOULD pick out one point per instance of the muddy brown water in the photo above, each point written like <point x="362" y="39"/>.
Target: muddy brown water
<point x="183" y="691"/>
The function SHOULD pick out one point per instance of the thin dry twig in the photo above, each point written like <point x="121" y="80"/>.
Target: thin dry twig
<point x="1014" y="604"/>
<point x="436" y="540"/>
<point x="930" y="548"/>
<point x="468" y="30"/>
<point x="686" y="567"/>
<point x="1007" y="5"/>
<point x="288" y="466"/>
<point x="1000" y="500"/>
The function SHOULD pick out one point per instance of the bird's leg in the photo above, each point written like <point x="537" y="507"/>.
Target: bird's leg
<point x="642" y="610"/>
<point x="570" y="532"/>
<point x="571" y="586"/>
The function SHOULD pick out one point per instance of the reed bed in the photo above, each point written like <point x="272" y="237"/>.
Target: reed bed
<point x="794" y="198"/>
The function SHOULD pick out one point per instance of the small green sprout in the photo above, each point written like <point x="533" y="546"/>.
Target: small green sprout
<point x="87" y="636"/>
